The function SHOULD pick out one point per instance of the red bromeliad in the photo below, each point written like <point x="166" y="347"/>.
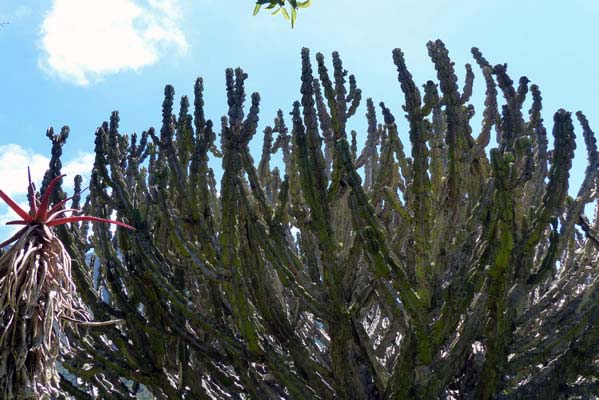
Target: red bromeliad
<point x="39" y="214"/>
<point x="37" y="297"/>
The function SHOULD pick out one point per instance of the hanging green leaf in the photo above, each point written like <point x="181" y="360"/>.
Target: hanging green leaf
<point x="290" y="15"/>
<point x="293" y="17"/>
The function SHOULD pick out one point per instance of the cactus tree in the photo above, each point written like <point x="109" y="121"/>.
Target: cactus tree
<point x="451" y="271"/>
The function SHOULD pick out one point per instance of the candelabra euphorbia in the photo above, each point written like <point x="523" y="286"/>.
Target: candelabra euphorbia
<point x="438" y="261"/>
<point x="37" y="296"/>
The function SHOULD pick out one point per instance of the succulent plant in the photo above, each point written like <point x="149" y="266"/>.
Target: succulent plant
<point x="37" y="296"/>
<point x="454" y="270"/>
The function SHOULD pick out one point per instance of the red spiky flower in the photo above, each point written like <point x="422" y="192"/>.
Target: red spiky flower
<point x="37" y="297"/>
<point x="40" y="214"/>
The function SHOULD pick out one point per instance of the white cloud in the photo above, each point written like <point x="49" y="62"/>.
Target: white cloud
<point x="81" y="165"/>
<point x="84" y="40"/>
<point x="14" y="161"/>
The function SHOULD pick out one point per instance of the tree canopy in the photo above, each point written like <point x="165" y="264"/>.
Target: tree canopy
<point x="287" y="8"/>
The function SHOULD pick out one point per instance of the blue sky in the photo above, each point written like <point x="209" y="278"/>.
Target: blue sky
<point x="71" y="62"/>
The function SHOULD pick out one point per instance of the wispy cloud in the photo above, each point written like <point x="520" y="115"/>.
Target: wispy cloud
<point x="14" y="160"/>
<point x="84" y="40"/>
